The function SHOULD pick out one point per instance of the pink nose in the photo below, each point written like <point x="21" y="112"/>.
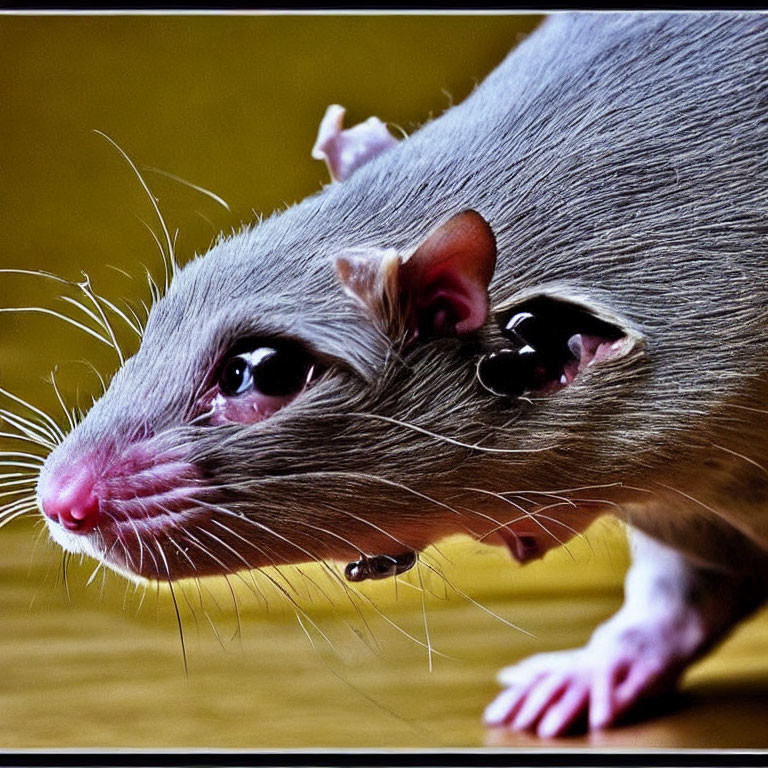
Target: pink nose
<point x="71" y="501"/>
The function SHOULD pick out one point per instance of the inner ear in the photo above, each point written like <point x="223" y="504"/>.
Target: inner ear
<point x="550" y="341"/>
<point x="443" y="285"/>
<point x="439" y="289"/>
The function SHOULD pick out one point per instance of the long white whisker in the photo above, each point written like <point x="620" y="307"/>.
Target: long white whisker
<point x="741" y="456"/>
<point x="84" y="309"/>
<point x="175" y="607"/>
<point x="152" y="199"/>
<point x="480" y="605"/>
<point x="452" y="441"/>
<point x="35" y="432"/>
<point x="181" y="551"/>
<point x="8" y="519"/>
<point x="85" y="287"/>
<point x="134" y="324"/>
<point x="197" y="188"/>
<point x="15" y="492"/>
<point x="19" y="464"/>
<point x="18" y="504"/>
<point x="54" y="426"/>
<point x="70" y="419"/>
<point x="22" y="455"/>
<point x="12" y="436"/>
<point x="528" y="513"/>
<point x="24" y="481"/>
<point x="60" y="316"/>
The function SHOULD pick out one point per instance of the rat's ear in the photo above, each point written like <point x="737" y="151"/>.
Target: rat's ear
<point x="440" y="289"/>
<point x="345" y="150"/>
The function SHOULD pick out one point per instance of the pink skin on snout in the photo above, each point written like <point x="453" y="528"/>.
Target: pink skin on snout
<point x="120" y="505"/>
<point x="124" y="505"/>
<point x="69" y="499"/>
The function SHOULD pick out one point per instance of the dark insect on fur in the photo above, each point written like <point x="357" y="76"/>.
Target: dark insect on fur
<point x="379" y="566"/>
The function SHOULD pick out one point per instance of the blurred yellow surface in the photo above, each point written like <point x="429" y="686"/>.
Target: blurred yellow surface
<point x="280" y="659"/>
<point x="327" y="667"/>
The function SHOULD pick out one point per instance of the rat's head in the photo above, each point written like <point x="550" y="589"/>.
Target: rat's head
<point x="297" y="398"/>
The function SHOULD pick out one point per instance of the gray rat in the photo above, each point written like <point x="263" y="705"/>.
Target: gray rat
<point x="546" y="305"/>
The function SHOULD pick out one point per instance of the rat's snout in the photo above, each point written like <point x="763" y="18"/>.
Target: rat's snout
<point x="123" y="504"/>
<point x="69" y="498"/>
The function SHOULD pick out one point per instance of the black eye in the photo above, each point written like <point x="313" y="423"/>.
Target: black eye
<point x="273" y="371"/>
<point x="236" y="377"/>
<point x="281" y="371"/>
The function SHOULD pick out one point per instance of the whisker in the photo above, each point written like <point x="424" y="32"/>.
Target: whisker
<point x="19" y="464"/>
<point x="85" y="287"/>
<point x="255" y="523"/>
<point x="424" y="614"/>
<point x="64" y="575"/>
<point x="452" y="441"/>
<point x="142" y="598"/>
<point x="15" y="493"/>
<point x="134" y="324"/>
<point x="181" y="551"/>
<point x="98" y="567"/>
<point x="310" y="556"/>
<point x="573" y="531"/>
<point x="238" y="631"/>
<point x="529" y="514"/>
<point x="370" y="525"/>
<point x="191" y="609"/>
<point x="95" y="370"/>
<point x="298" y="608"/>
<point x="226" y="546"/>
<point x="197" y="543"/>
<point x="90" y="313"/>
<point x="151" y="197"/>
<point x="259" y="549"/>
<point x="175" y="608"/>
<point x="482" y="607"/>
<point x="60" y="316"/>
<point x="197" y="188"/>
<point x="19" y="504"/>
<point x="55" y="429"/>
<point x="36" y="432"/>
<point x="23" y="455"/>
<point x="741" y="456"/>
<point x="14" y="436"/>
<point x="26" y="479"/>
<point x="70" y="419"/>
<point x="10" y="518"/>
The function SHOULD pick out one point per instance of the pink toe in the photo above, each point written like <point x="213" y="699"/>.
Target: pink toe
<point x="601" y="704"/>
<point x="563" y="714"/>
<point x="503" y="707"/>
<point x="541" y="696"/>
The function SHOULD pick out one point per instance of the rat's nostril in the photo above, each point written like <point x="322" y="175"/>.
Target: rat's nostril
<point x="72" y="503"/>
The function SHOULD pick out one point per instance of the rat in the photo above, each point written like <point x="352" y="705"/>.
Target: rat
<point x="545" y="305"/>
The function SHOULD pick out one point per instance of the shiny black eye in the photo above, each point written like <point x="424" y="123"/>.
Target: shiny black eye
<point x="277" y="371"/>
<point x="236" y="377"/>
<point x="281" y="372"/>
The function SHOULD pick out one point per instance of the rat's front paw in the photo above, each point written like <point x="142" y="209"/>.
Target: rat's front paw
<point x="552" y="691"/>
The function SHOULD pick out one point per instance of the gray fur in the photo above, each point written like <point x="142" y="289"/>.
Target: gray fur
<point x="621" y="160"/>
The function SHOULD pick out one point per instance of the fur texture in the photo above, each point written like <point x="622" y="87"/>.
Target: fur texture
<point x="621" y="162"/>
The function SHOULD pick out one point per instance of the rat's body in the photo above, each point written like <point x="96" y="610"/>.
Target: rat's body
<point x="619" y="167"/>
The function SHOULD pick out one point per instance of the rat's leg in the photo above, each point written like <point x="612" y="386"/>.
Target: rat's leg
<point x="673" y="612"/>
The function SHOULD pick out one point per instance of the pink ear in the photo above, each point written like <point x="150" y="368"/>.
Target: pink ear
<point x="443" y="286"/>
<point x="344" y="151"/>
